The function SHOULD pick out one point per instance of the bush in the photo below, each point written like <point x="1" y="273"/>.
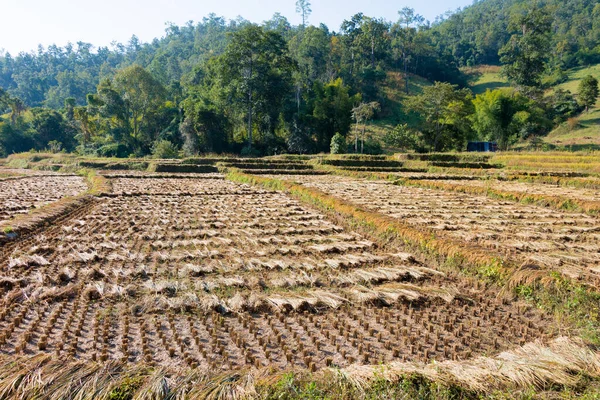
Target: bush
<point x="54" y="146"/>
<point x="164" y="149"/>
<point x="113" y="150"/>
<point x="372" y="146"/>
<point x="338" y="144"/>
<point x="401" y="137"/>
<point x="536" y="142"/>
<point x="563" y="106"/>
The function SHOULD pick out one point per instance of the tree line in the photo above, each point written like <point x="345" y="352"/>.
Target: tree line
<point x="233" y="86"/>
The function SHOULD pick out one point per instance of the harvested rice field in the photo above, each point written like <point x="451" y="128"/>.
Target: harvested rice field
<point x="20" y="195"/>
<point x="536" y="189"/>
<point x="568" y="242"/>
<point x="189" y="286"/>
<point x="232" y="276"/>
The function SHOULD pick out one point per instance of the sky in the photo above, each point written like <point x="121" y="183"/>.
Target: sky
<point x="28" y="23"/>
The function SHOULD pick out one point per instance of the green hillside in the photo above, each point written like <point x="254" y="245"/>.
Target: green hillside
<point x="579" y="133"/>
<point x="485" y="77"/>
<point x="189" y="92"/>
<point x="582" y="132"/>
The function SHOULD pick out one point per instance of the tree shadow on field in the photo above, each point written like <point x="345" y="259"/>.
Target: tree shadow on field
<point x="483" y="87"/>
<point x="591" y="122"/>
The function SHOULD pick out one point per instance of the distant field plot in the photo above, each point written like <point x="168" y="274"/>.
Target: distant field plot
<point x="546" y="194"/>
<point x="533" y="188"/>
<point x="582" y="163"/>
<point x="564" y="241"/>
<point x="19" y="196"/>
<point x="192" y="186"/>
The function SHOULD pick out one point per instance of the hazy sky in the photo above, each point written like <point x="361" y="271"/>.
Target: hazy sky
<point x="27" y="23"/>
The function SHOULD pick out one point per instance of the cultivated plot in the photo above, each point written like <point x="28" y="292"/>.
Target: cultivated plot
<point x="537" y="189"/>
<point x="216" y="275"/>
<point x="19" y="196"/>
<point x="564" y="241"/>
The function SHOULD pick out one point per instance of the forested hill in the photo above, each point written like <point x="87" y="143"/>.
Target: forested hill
<point x="50" y="76"/>
<point x="468" y="37"/>
<point x="475" y="34"/>
<point x="234" y="86"/>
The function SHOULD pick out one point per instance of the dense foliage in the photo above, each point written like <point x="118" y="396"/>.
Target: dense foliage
<point x="476" y="34"/>
<point x="232" y="86"/>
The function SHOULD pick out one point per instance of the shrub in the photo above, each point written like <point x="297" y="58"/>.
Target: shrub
<point x="113" y="150"/>
<point x="338" y="144"/>
<point x="572" y="123"/>
<point x="54" y="146"/>
<point x="402" y="137"/>
<point x="536" y="142"/>
<point x="372" y="146"/>
<point x="164" y="149"/>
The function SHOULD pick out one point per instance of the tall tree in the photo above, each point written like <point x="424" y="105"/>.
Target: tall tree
<point x="444" y="110"/>
<point x="303" y="8"/>
<point x="588" y="92"/>
<point x="403" y="33"/>
<point x="256" y="73"/>
<point x="310" y="48"/>
<point x="3" y="99"/>
<point x="141" y="95"/>
<point x="507" y="115"/>
<point x="525" y="55"/>
<point x="331" y="111"/>
<point x="493" y="117"/>
<point x="362" y="114"/>
<point x="17" y="107"/>
<point x="50" y="126"/>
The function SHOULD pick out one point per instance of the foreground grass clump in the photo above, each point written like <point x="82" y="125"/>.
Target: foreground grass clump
<point x="565" y="368"/>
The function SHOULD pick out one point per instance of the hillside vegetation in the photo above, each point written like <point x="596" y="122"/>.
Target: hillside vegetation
<point x="582" y="132"/>
<point x="223" y="86"/>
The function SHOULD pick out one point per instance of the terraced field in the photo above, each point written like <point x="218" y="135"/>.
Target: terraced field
<point x="20" y="195"/>
<point x="588" y="195"/>
<point x="182" y="281"/>
<point x="564" y="241"/>
<point x="230" y="275"/>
